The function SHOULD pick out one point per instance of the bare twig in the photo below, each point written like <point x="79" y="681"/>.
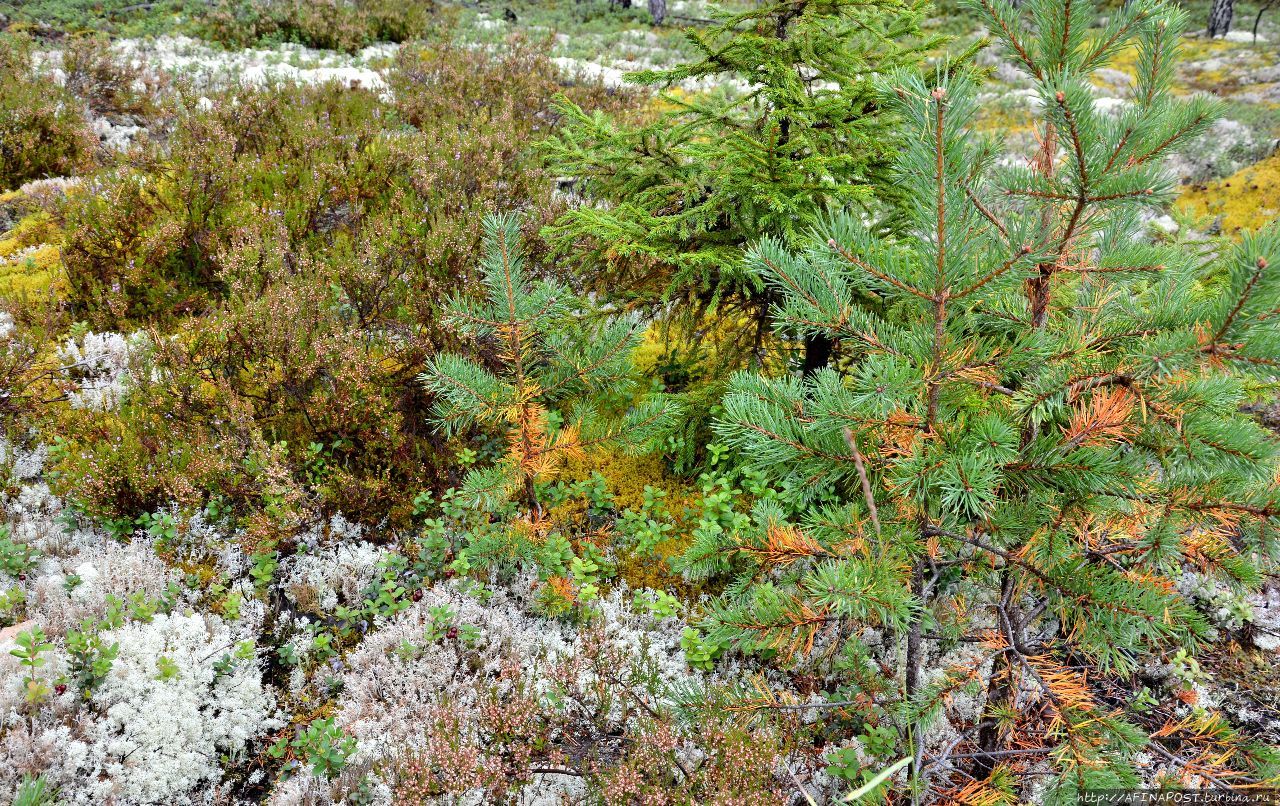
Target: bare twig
<point x="862" y="478"/>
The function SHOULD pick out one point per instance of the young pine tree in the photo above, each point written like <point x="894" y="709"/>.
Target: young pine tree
<point x="677" y="200"/>
<point x="1038" y="434"/>
<point x="556" y="365"/>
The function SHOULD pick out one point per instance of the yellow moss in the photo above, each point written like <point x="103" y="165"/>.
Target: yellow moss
<point x="26" y="273"/>
<point x="649" y="352"/>
<point x="569" y="515"/>
<point x="1247" y="199"/>
<point x="30" y="231"/>
<point x="995" y="118"/>
<point x="31" y="274"/>
<point x="715" y="341"/>
<point x="1125" y="60"/>
<point x="627" y="477"/>
<point x="1194" y="49"/>
<point x="669" y="101"/>
<point x="206" y="571"/>
<point x="655" y="572"/>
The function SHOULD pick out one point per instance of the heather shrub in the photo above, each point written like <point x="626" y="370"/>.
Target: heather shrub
<point x="333" y="24"/>
<point x="108" y="84"/>
<point x="143" y="242"/>
<point x="514" y="739"/>
<point x="515" y="84"/>
<point x="481" y="111"/>
<point x="197" y="250"/>
<point x="280" y="238"/>
<point x="327" y="163"/>
<point x="43" y="129"/>
<point x="29" y="377"/>
<point x="591" y="715"/>
<point x="120" y="261"/>
<point x="279" y="424"/>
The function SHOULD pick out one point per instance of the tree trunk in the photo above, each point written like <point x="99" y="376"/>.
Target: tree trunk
<point x="817" y="353"/>
<point x="1262" y="9"/>
<point x="658" y="10"/>
<point x="1220" y="17"/>
<point x="999" y="696"/>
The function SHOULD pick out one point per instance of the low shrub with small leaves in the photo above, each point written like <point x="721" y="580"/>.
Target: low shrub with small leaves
<point x="43" y="128"/>
<point x="331" y="24"/>
<point x="297" y="332"/>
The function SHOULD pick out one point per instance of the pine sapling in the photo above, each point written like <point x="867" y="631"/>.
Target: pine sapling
<point x="1038" y="433"/>
<point x="560" y="382"/>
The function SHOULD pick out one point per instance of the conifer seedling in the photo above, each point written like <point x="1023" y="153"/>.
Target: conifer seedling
<point x="1038" y="433"/>
<point x="792" y="128"/>
<point x="558" y="364"/>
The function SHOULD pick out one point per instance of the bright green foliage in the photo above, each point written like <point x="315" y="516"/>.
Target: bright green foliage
<point x="35" y="791"/>
<point x="555" y="364"/>
<point x="32" y="646"/>
<point x="166" y="669"/>
<point x="12" y="606"/>
<point x="648" y="526"/>
<point x="322" y="745"/>
<point x="15" y="558"/>
<point x="659" y="603"/>
<point x="90" y="657"/>
<point x="797" y="131"/>
<point x="1038" y="430"/>
<point x="699" y="652"/>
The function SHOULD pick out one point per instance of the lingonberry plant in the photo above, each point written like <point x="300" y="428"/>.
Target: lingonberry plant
<point x="1037" y="433"/>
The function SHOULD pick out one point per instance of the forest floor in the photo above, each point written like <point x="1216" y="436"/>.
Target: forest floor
<point x="382" y="682"/>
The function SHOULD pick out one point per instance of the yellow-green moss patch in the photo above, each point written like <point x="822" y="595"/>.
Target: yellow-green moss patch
<point x="1247" y="199"/>
<point x="29" y="257"/>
